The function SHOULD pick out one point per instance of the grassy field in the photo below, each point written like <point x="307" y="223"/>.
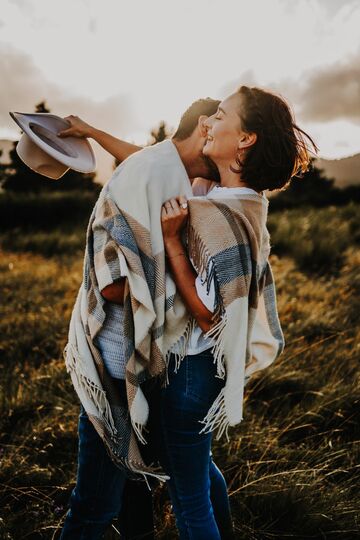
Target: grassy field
<point x="292" y="466"/>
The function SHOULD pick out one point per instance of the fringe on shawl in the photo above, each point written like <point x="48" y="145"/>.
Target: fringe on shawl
<point x="204" y="264"/>
<point x="216" y="333"/>
<point x="129" y="465"/>
<point x="181" y="346"/>
<point x="97" y="396"/>
<point x="216" y="418"/>
<point x="199" y="254"/>
<point x="139" y="429"/>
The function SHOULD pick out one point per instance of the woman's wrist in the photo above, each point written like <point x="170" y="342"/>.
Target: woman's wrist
<point x="93" y="133"/>
<point x="173" y="245"/>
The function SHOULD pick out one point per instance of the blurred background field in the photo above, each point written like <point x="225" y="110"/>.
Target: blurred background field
<point x="292" y="466"/>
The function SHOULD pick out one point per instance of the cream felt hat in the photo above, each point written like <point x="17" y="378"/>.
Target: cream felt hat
<point x="44" y="152"/>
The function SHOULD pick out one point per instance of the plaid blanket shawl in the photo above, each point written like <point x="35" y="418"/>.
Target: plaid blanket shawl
<point x="229" y="243"/>
<point x="128" y="214"/>
<point x="247" y="333"/>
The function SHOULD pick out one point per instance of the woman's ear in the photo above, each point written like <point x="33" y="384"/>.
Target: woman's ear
<point x="246" y="140"/>
<point x="201" y="125"/>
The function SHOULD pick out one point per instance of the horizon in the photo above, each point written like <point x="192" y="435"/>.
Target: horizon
<point x="126" y="67"/>
<point x="106" y="161"/>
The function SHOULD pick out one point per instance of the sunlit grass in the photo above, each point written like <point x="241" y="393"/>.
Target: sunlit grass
<point x="292" y="466"/>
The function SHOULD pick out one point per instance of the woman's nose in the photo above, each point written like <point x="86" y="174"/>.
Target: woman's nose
<point x="208" y="122"/>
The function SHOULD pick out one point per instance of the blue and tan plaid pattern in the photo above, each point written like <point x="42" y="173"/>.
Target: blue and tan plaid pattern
<point x="229" y="243"/>
<point x="230" y="233"/>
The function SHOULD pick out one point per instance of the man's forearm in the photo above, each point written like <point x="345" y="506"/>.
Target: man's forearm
<point x="116" y="147"/>
<point x="185" y="276"/>
<point x="115" y="292"/>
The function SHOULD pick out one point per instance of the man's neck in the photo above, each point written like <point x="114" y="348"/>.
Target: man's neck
<point x="187" y="155"/>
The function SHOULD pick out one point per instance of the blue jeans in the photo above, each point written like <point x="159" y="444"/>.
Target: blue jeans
<point x="102" y="492"/>
<point x="197" y="488"/>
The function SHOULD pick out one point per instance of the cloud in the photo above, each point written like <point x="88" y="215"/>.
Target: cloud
<point x="247" y="78"/>
<point x="333" y="6"/>
<point x="324" y="95"/>
<point x="26" y="86"/>
<point x="333" y="93"/>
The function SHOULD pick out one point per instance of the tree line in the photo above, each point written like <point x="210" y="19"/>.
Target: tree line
<point x="313" y="188"/>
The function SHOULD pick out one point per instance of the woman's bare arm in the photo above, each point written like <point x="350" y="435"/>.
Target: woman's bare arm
<point x="116" y="147"/>
<point x="173" y="218"/>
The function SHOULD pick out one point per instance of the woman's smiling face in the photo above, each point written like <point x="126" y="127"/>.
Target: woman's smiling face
<point x="224" y="131"/>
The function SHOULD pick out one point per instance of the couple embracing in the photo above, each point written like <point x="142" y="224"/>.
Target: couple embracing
<point x="176" y="311"/>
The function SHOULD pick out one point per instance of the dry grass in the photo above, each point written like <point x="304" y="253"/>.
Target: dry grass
<point x="292" y="466"/>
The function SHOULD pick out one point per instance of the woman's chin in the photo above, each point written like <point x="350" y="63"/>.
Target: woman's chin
<point x="207" y="149"/>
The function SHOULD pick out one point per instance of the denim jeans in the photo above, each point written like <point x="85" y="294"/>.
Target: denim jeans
<point x="197" y="488"/>
<point x="102" y="493"/>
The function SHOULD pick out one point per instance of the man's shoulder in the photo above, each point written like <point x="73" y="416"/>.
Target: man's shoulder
<point x="151" y="162"/>
<point x="151" y="155"/>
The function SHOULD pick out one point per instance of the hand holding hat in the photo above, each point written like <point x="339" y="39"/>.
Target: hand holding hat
<point x="77" y="128"/>
<point x="43" y="151"/>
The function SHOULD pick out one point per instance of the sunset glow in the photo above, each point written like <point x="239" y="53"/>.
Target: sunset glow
<point x="126" y="65"/>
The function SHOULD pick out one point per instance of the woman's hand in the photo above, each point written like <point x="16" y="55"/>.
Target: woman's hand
<point x="78" y="128"/>
<point x="174" y="215"/>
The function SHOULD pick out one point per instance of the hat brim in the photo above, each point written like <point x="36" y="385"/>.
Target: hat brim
<point x="42" y="128"/>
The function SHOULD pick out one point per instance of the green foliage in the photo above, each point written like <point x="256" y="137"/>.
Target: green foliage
<point x="17" y="177"/>
<point x="45" y="211"/>
<point x="315" y="238"/>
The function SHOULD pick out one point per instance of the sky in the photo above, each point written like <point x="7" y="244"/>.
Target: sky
<point x="125" y="65"/>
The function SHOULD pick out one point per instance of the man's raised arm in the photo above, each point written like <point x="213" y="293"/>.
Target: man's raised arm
<point x="116" y="147"/>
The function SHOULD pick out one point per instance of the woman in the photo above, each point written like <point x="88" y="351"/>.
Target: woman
<point x="256" y="145"/>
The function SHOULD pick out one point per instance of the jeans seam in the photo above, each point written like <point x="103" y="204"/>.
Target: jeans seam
<point x="170" y="460"/>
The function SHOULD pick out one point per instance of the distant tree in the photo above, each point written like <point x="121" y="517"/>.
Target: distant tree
<point x="41" y="107"/>
<point x="2" y="170"/>
<point x="160" y="133"/>
<point x="16" y="176"/>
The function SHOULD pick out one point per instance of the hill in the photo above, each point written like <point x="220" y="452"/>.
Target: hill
<point x="345" y="171"/>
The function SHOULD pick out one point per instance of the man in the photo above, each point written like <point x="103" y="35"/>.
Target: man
<point x="99" y="492"/>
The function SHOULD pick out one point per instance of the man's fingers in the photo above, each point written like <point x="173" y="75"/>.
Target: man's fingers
<point x="63" y="133"/>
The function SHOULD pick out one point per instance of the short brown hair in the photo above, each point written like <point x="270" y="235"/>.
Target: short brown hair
<point x="189" y="119"/>
<point x="281" y="150"/>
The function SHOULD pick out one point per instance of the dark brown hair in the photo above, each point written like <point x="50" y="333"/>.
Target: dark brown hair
<point x="281" y="149"/>
<point x="189" y="119"/>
